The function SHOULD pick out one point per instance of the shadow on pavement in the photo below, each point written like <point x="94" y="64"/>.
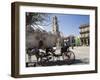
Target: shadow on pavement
<point x="55" y="63"/>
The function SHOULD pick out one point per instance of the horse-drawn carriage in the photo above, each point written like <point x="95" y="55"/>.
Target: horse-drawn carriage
<point x="52" y="54"/>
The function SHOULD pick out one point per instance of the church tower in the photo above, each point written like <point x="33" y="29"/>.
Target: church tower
<point x="55" y="27"/>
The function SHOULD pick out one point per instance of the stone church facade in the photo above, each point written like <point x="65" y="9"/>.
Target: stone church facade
<point x="41" y="38"/>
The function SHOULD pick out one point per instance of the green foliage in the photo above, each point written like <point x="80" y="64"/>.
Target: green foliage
<point x="77" y="41"/>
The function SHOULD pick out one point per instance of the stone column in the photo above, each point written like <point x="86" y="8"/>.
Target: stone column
<point x="58" y="46"/>
<point x="87" y="42"/>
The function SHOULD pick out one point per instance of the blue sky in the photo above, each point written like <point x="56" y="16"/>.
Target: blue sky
<point x="69" y="23"/>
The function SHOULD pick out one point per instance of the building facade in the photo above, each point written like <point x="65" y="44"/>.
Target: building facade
<point x="70" y="40"/>
<point x="84" y="34"/>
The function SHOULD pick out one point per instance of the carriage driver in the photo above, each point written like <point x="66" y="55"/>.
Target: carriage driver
<point x="66" y="43"/>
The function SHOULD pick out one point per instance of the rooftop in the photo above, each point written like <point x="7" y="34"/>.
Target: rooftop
<point x="84" y="25"/>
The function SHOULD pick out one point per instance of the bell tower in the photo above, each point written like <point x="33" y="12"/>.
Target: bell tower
<point x="55" y="27"/>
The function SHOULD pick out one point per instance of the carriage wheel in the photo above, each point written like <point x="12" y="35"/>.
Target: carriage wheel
<point x="69" y="57"/>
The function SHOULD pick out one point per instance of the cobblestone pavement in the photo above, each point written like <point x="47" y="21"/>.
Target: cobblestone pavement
<point x="81" y="54"/>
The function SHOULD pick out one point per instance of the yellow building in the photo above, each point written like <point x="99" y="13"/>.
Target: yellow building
<point x="84" y="34"/>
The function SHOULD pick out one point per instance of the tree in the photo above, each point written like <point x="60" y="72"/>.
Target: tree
<point x="36" y="18"/>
